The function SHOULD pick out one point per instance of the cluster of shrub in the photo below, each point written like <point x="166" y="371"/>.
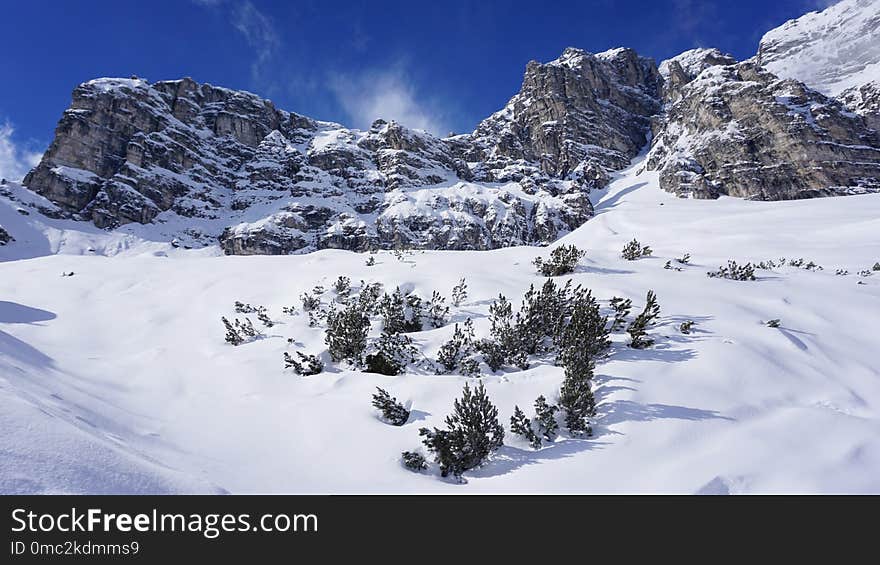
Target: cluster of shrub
<point x="558" y="323"/>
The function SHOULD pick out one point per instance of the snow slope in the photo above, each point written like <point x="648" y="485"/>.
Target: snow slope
<point x="117" y="379"/>
<point x="831" y="51"/>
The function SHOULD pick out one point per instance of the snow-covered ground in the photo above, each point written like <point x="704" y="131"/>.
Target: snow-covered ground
<point x="117" y="379"/>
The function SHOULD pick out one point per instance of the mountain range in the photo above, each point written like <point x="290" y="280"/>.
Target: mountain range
<point x="206" y="166"/>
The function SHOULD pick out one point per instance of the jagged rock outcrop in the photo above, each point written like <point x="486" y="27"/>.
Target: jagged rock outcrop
<point x="864" y="100"/>
<point x="683" y="68"/>
<point x="202" y="162"/>
<point x="577" y="117"/>
<point x="5" y="237"/>
<point x="739" y="130"/>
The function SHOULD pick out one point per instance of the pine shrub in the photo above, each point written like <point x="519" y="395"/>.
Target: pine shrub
<point x="459" y="293"/>
<point x="393" y="411"/>
<point x="621" y="309"/>
<point x="305" y="365"/>
<point x="638" y="329"/>
<point x="413" y="460"/>
<point x="472" y="433"/>
<point x="392" y="355"/>
<point x="545" y="418"/>
<point x="635" y="250"/>
<point x="438" y="312"/>
<point x="734" y="272"/>
<point x="563" y="260"/>
<point x="346" y="334"/>
<point x="522" y="426"/>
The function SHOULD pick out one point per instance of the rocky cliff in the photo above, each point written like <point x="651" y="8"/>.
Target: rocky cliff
<point x="205" y="164"/>
<point x="739" y="130"/>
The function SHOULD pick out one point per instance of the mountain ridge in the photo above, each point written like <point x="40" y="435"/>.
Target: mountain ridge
<point x="207" y="165"/>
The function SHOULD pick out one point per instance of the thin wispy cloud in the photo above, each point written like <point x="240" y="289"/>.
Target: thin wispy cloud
<point x="15" y="162"/>
<point x="257" y="29"/>
<point x="388" y="94"/>
<point x="259" y="32"/>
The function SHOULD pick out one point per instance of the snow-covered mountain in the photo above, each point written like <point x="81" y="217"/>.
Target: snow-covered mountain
<point x="836" y="51"/>
<point x="201" y="163"/>
<point x="205" y="166"/>
<point x="137" y="357"/>
<point x="831" y="50"/>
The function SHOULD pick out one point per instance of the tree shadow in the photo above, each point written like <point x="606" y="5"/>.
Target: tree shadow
<point x="658" y="352"/>
<point x="510" y="458"/>
<point x="609" y="203"/>
<point x="416" y="416"/>
<point x="15" y="313"/>
<point x="789" y="334"/>
<point x="619" y="411"/>
<point x="23" y="352"/>
<point x="603" y="271"/>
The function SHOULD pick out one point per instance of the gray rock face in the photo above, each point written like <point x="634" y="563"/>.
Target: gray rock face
<point x="203" y="163"/>
<point x="864" y="100"/>
<point x="684" y="68"/>
<point x="741" y="131"/>
<point x="578" y="117"/>
<point x="5" y="237"/>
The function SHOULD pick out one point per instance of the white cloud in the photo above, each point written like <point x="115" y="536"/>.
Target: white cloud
<point x="256" y="27"/>
<point x="15" y="162"/>
<point x="389" y="95"/>
<point x="259" y="32"/>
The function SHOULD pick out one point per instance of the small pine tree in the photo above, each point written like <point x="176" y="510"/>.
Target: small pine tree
<point x="563" y="260"/>
<point x="685" y="259"/>
<point x="342" y="286"/>
<point x="346" y="334"/>
<point x="413" y="460"/>
<point x="493" y="353"/>
<point x="370" y="261"/>
<point x="306" y="365"/>
<point x="458" y="348"/>
<point x="413" y="315"/>
<point x="393" y="411"/>
<point x="577" y="401"/>
<point x="459" y="293"/>
<point x="545" y="418"/>
<point x="635" y="250"/>
<point x="638" y="329"/>
<point x="393" y="353"/>
<point x="309" y="302"/>
<point x="242" y="308"/>
<point x="232" y="335"/>
<point x="621" y="309"/>
<point x="522" y="426"/>
<point x="876" y="266"/>
<point x="438" y="312"/>
<point x="393" y="312"/>
<point x="774" y="323"/>
<point x="263" y="316"/>
<point x="735" y="272"/>
<point x="686" y="326"/>
<point x="368" y="298"/>
<point x="472" y="433"/>
<point x="585" y="337"/>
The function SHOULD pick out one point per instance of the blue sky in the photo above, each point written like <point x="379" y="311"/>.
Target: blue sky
<point x="438" y="65"/>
